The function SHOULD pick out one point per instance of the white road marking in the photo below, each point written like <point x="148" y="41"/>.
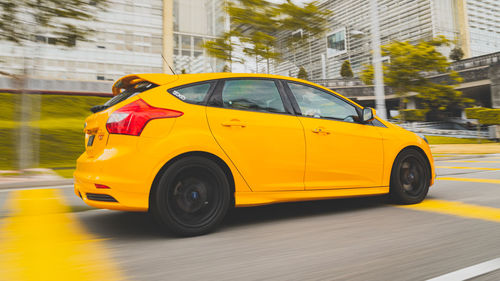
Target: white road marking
<point x="470" y="272"/>
<point x="41" y="187"/>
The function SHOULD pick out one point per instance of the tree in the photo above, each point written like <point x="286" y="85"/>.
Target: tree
<point x="226" y="68"/>
<point x="456" y="54"/>
<point x="183" y="71"/>
<point x="309" y="20"/>
<point x="302" y="73"/>
<point x="408" y="69"/>
<point x="255" y="23"/>
<point x="312" y="19"/>
<point x="345" y="70"/>
<point x="223" y="48"/>
<point x="23" y="21"/>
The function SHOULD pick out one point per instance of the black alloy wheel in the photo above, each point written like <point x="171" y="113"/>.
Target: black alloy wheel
<point x="192" y="196"/>
<point x="410" y="177"/>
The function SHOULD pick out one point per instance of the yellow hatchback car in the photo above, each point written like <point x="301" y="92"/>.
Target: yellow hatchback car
<point x="188" y="147"/>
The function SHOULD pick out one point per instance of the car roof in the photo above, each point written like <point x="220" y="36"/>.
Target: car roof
<point x="181" y="79"/>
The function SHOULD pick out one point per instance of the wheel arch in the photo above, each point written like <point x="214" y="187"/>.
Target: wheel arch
<point x="225" y="168"/>
<point x="420" y="151"/>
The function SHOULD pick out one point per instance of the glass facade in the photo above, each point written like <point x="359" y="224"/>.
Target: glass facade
<point x="336" y="43"/>
<point x="196" y="21"/>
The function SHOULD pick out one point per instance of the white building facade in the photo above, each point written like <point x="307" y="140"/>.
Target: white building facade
<point x="348" y="36"/>
<point x="196" y="21"/>
<point x="483" y="20"/>
<point x="128" y="39"/>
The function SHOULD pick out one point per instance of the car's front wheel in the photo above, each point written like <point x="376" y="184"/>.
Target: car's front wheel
<point x="192" y="196"/>
<point x="410" y="177"/>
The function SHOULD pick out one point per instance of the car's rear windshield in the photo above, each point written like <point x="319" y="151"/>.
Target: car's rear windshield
<point x="129" y="92"/>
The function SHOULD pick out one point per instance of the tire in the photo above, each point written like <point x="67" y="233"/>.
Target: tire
<point x="192" y="197"/>
<point x="410" y="178"/>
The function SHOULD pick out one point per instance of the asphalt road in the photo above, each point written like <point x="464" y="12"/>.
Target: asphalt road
<point x="350" y="239"/>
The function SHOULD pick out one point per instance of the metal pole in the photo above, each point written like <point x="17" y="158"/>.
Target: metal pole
<point x="377" y="62"/>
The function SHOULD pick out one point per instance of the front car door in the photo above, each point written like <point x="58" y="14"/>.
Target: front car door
<point x="341" y="152"/>
<point x="259" y="133"/>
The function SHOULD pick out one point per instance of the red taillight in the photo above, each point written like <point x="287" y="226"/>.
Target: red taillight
<point x="101" y="186"/>
<point x="133" y="117"/>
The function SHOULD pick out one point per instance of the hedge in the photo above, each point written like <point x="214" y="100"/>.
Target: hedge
<point x="60" y="129"/>
<point x="485" y="116"/>
<point x="413" y="114"/>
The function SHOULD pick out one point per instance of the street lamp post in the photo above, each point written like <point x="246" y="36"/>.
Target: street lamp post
<point x="377" y="62"/>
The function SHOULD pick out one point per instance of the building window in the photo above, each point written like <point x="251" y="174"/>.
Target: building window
<point x="336" y="43"/>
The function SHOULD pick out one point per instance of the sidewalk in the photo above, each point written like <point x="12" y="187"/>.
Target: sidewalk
<point x="35" y="178"/>
<point x="485" y="148"/>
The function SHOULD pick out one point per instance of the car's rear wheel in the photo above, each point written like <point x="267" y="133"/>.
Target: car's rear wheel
<point x="410" y="177"/>
<point x="191" y="197"/>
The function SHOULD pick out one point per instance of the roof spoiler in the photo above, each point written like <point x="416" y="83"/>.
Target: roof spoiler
<point x="132" y="79"/>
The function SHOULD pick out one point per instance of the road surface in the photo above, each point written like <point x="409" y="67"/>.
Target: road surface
<point x="49" y="234"/>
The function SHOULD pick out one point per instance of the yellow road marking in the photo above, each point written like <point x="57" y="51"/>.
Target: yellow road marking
<point x="469" y="180"/>
<point x="468" y="168"/>
<point x="40" y="240"/>
<point x="470" y="161"/>
<point x="457" y="209"/>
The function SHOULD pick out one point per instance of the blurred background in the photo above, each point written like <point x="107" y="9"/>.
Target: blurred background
<point x="430" y="66"/>
<point x="439" y="61"/>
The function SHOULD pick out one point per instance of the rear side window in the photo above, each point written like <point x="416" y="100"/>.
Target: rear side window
<point x="255" y="95"/>
<point x="192" y="94"/>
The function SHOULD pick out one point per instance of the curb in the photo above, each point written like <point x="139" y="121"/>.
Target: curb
<point x="35" y="183"/>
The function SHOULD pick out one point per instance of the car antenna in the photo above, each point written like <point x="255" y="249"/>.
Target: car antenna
<point x="168" y="64"/>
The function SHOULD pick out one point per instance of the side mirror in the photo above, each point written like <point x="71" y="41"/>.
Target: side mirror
<point x="367" y="115"/>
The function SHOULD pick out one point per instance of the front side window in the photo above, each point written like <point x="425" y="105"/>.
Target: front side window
<point x="255" y="95"/>
<point x="192" y="94"/>
<point x="319" y="104"/>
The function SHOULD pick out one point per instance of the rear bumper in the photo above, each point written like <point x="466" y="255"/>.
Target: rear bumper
<point x="128" y="184"/>
<point x="124" y="200"/>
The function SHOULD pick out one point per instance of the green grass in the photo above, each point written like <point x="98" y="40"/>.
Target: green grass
<point x="65" y="173"/>
<point x="451" y="140"/>
<point x="60" y="129"/>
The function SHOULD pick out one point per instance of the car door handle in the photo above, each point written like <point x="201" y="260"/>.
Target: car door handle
<point x="321" y="130"/>
<point x="234" y="123"/>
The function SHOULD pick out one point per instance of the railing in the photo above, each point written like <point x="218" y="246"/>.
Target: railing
<point x="465" y="64"/>
<point x="339" y="83"/>
<point x="484" y="60"/>
<point x="426" y="129"/>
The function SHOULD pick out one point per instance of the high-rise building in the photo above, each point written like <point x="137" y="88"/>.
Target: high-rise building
<point x="348" y="38"/>
<point x="130" y="37"/>
<point x="484" y="26"/>
<point x="196" y="21"/>
<point x="128" y="40"/>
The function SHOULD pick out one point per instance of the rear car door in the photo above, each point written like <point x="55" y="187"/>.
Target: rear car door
<point x="252" y="121"/>
<point x="341" y="153"/>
